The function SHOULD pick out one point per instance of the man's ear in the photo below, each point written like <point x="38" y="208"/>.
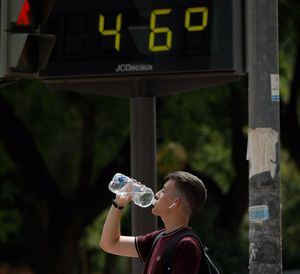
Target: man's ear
<point x="175" y="203"/>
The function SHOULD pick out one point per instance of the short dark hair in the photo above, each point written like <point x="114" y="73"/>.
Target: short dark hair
<point x="191" y="187"/>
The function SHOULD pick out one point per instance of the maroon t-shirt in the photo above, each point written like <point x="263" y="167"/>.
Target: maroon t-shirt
<point x="186" y="256"/>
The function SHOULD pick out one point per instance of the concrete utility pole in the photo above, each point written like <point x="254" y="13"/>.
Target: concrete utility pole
<point x="263" y="139"/>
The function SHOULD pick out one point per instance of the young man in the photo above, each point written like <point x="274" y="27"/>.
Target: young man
<point x="182" y="195"/>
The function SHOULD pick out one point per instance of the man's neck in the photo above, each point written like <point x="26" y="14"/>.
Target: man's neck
<point x="172" y="224"/>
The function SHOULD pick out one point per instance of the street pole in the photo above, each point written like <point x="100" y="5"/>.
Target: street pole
<point x="263" y="138"/>
<point x="143" y="163"/>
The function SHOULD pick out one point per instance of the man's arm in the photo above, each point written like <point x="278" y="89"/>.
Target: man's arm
<point x="111" y="239"/>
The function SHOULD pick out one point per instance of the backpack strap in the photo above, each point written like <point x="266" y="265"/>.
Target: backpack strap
<point x="157" y="237"/>
<point x="169" y="251"/>
<point x="206" y="266"/>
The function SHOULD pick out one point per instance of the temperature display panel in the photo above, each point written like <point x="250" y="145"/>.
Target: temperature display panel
<point x="130" y="37"/>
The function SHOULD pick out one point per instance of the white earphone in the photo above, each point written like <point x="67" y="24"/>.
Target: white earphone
<point x="172" y="205"/>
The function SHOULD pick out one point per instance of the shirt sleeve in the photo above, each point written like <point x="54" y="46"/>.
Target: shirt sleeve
<point x="143" y="244"/>
<point x="187" y="256"/>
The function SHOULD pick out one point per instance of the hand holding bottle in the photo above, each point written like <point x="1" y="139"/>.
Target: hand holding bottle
<point x="122" y="200"/>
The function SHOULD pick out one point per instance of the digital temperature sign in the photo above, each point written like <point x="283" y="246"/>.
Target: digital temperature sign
<point x="143" y="37"/>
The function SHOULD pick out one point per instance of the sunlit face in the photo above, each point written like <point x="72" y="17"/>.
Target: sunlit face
<point x="165" y="198"/>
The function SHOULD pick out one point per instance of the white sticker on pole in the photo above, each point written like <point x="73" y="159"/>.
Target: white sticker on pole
<point x="261" y="151"/>
<point x="258" y="214"/>
<point x="275" y="87"/>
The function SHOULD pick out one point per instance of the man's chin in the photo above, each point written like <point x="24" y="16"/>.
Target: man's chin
<point x="153" y="210"/>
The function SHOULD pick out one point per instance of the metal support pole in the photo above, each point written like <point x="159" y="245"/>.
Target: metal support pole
<point x="263" y="139"/>
<point x="143" y="163"/>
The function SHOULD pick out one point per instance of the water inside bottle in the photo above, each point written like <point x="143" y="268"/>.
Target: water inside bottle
<point x="145" y="198"/>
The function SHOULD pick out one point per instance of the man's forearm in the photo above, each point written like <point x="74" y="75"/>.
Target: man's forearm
<point x="111" y="230"/>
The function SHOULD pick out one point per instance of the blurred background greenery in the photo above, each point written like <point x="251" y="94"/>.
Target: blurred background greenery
<point x="60" y="149"/>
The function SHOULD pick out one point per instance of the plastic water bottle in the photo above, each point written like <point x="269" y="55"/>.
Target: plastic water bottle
<point x="123" y="185"/>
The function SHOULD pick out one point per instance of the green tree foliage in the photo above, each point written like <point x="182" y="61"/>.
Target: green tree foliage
<point x="59" y="151"/>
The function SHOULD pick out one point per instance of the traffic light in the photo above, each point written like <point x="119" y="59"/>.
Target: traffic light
<point x="23" y="49"/>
